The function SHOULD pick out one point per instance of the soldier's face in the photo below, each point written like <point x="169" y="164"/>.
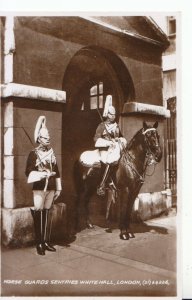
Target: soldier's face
<point x="111" y="117"/>
<point x="44" y="137"/>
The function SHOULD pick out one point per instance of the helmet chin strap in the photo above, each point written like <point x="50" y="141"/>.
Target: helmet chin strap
<point x="45" y="145"/>
<point x="110" y="121"/>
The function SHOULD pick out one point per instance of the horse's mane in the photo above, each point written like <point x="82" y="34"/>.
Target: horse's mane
<point x="133" y="140"/>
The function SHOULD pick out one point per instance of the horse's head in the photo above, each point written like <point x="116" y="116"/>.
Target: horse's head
<point x="151" y="139"/>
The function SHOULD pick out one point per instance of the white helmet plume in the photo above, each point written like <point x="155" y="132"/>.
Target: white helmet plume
<point x="41" y="123"/>
<point x="108" y="106"/>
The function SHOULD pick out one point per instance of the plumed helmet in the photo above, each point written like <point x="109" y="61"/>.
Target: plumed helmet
<point x="109" y="108"/>
<point x="40" y="128"/>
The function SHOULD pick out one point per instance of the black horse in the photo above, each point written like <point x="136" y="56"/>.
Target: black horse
<point x="144" y="149"/>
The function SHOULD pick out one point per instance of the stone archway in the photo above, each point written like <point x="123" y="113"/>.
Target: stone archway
<point x="89" y="67"/>
<point x="92" y="64"/>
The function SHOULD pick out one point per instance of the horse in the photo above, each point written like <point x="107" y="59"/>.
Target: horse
<point x="143" y="150"/>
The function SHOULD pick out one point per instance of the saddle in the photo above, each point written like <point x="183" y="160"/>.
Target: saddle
<point x="93" y="159"/>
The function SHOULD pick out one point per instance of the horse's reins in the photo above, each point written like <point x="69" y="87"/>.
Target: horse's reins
<point x="127" y="156"/>
<point x="141" y="177"/>
<point x="146" y="141"/>
<point x="149" y="152"/>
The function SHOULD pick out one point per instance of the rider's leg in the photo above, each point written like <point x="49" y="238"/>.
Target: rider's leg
<point x="101" y="188"/>
<point x="47" y="221"/>
<point x="112" y="181"/>
<point x="37" y="214"/>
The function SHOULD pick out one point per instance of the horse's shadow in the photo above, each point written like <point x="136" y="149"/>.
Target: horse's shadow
<point x="136" y="227"/>
<point x="65" y="240"/>
<point x="143" y="228"/>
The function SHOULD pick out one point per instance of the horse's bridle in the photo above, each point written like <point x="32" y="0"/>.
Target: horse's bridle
<point x="149" y="153"/>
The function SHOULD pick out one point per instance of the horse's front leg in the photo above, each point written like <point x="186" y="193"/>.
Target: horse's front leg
<point x="131" y="200"/>
<point x="87" y="198"/>
<point x="83" y="219"/>
<point x="90" y="188"/>
<point x="123" y="221"/>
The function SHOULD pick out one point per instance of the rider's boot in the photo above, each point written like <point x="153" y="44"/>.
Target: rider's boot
<point x="88" y="173"/>
<point x="39" y="234"/>
<point x="101" y="188"/>
<point x="47" y="231"/>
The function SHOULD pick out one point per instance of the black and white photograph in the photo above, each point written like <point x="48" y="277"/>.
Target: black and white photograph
<point x="89" y="155"/>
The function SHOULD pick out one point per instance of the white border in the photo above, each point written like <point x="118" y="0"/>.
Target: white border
<point x="88" y="6"/>
<point x="184" y="105"/>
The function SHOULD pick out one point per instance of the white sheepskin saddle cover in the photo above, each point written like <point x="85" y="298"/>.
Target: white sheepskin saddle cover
<point x="90" y="158"/>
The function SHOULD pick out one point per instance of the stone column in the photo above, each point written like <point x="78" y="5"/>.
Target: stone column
<point x="8" y="183"/>
<point x="9" y="48"/>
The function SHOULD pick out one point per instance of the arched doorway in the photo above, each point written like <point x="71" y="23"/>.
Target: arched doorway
<point x="91" y="74"/>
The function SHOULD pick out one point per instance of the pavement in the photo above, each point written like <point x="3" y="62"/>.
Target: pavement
<point x="97" y="263"/>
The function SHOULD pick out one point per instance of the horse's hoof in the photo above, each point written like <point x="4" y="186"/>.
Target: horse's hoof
<point x="90" y="226"/>
<point x="108" y="230"/>
<point x="124" y="236"/>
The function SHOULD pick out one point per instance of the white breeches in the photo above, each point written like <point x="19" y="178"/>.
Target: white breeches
<point x="43" y="199"/>
<point x="113" y="154"/>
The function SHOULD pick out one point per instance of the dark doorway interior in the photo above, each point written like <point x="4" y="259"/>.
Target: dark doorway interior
<point x="91" y="75"/>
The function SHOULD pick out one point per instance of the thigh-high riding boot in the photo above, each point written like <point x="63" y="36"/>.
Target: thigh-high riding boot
<point x="101" y="188"/>
<point x="39" y="231"/>
<point x="47" y="231"/>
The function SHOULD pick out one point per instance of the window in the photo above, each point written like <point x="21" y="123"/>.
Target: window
<point x="96" y="96"/>
<point x="83" y="106"/>
<point x="171" y="26"/>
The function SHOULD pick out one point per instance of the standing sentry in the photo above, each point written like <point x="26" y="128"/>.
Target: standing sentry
<point x="42" y="170"/>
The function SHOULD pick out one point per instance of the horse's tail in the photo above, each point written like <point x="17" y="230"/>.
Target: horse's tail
<point x="78" y="177"/>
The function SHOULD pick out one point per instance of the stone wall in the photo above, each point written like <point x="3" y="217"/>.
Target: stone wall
<point x="20" y="117"/>
<point x="45" y="47"/>
<point x="18" y="229"/>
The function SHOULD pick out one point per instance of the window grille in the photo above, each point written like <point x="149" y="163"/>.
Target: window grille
<point x="96" y="96"/>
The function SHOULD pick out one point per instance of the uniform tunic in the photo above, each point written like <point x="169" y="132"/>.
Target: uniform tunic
<point x="107" y="131"/>
<point x="43" y="159"/>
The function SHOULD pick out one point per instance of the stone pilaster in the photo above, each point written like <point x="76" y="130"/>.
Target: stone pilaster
<point x="8" y="182"/>
<point x="9" y="48"/>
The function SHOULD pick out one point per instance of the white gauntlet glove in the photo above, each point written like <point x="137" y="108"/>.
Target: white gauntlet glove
<point x="58" y="188"/>
<point x="57" y="194"/>
<point x="103" y="143"/>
